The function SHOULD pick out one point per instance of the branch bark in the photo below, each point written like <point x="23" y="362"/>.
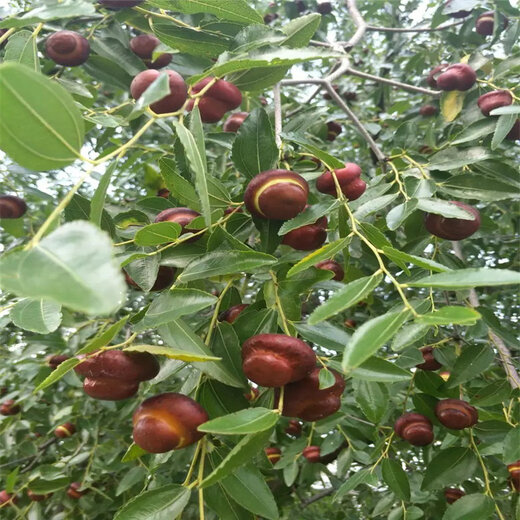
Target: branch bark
<point x="503" y="351"/>
<point x="360" y="24"/>
<point x="277" y="115"/>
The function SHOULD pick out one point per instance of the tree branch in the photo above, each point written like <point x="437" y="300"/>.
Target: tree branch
<point x="505" y="354"/>
<point x="277" y="115"/>
<point x="411" y="29"/>
<point x="360" y="24"/>
<point x="318" y="496"/>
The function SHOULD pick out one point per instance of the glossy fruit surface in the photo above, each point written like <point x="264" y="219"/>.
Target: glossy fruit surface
<point x="514" y="133"/>
<point x="428" y="110"/>
<point x="182" y="216"/>
<point x="335" y="267"/>
<point x="109" y="388"/>
<point x="273" y="454"/>
<point x="430" y="363"/>
<point x="312" y="453"/>
<point x="273" y="360"/>
<point x="276" y="194"/>
<point x="165" y="277"/>
<point x="305" y="400"/>
<point x="348" y="179"/>
<point x="65" y="430"/>
<point x="231" y="314"/>
<point x="167" y="422"/>
<point x="453" y="228"/>
<point x="456" y="414"/>
<point x="514" y="471"/>
<point x="457" y="77"/>
<point x="434" y="74"/>
<point x="12" y="207"/>
<point x="496" y="99"/>
<point x="485" y="23"/>
<point x="144" y="45"/>
<point x="453" y="494"/>
<point x="170" y="103"/>
<point x="414" y="428"/>
<point x="309" y="237"/>
<point x="234" y="121"/>
<point x="293" y="428"/>
<point x="220" y="98"/>
<point x="67" y="48"/>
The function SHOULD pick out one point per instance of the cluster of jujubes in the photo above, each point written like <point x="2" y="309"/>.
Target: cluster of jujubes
<point x="221" y="97"/>
<point x="113" y="375"/>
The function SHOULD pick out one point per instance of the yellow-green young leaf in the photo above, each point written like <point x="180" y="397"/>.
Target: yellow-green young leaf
<point x="251" y="420"/>
<point x="170" y="353"/>
<point x="133" y="452"/>
<point x="451" y="104"/>
<point x="451" y="314"/>
<point x="105" y="337"/>
<point x="49" y="129"/>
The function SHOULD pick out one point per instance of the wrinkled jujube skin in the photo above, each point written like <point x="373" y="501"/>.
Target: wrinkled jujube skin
<point x="9" y="407"/>
<point x="276" y="194"/>
<point x="220" y="98"/>
<point x="65" y="430"/>
<point x="333" y="130"/>
<point x="514" y="133"/>
<point x="453" y="494"/>
<point x="496" y="99"/>
<point x="430" y="363"/>
<point x="273" y="360"/>
<point x="273" y="454"/>
<point x="144" y="45"/>
<point x="231" y="314"/>
<point x="234" y="121"/>
<point x="294" y="428"/>
<point x="55" y="361"/>
<point x="74" y="491"/>
<point x="309" y="237"/>
<point x="183" y="217"/>
<point x="348" y="178"/>
<point x="428" y="110"/>
<point x="514" y="471"/>
<point x="456" y="414"/>
<point x="165" y="277"/>
<point x="453" y="228"/>
<point x="12" y="207"/>
<point x="434" y="73"/>
<point x="120" y="4"/>
<point x="305" y="400"/>
<point x="335" y="267"/>
<point x="312" y="453"/>
<point x="67" y="48"/>
<point x="170" y="103"/>
<point x="457" y="77"/>
<point x="414" y="428"/>
<point x="7" y="498"/>
<point x="485" y="23"/>
<point x="324" y="8"/>
<point x="168" y="422"/>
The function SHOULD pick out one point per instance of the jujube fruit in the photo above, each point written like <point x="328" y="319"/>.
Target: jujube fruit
<point x="120" y="4"/>
<point x="273" y="360"/>
<point x="269" y="18"/>
<point x="514" y="471"/>
<point x="453" y="494"/>
<point x="348" y="179"/>
<point x="324" y="8"/>
<point x="168" y="422"/>
<point x="67" y="48"/>
<point x="333" y="130"/>
<point x="457" y="77"/>
<point x="234" y="121"/>
<point x="453" y="228"/>
<point x="7" y="498"/>
<point x="37" y="498"/>
<point x="485" y="23"/>
<point x="165" y="277"/>
<point x="514" y="133"/>
<point x="430" y="363"/>
<point x="300" y="5"/>
<point x="252" y="394"/>
<point x="428" y="110"/>
<point x="491" y="100"/>
<point x="12" y="207"/>
<point x="55" y="361"/>
<point x="414" y="428"/>
<point x="163" y="192"/>
<point x="309" y="237"/>
<point x="273" y="454"/>
<point x="351" y="324"/>
<point x="335" y="267"/>
<point x="220" y="98"/>
<point x="144" y="45"/>
<point x="293" y="428"/>
<point x="170" y="103"/>
<point x="434" y="74"/>
<point x="305" y="400"/>
<point x="9" y="407"/>
<point x="312" y="453"/>
<point x="231" y="314"/>
<point x="456" y="414"/>
<point x="74" y="491"/>
<point x="182" y="216"/>
<point x="276" y="194"/>
<point x="65" y="430"/>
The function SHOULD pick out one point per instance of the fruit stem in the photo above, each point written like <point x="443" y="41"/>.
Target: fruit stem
<point x="192" y="465"/>
<point x="201" y="477"/>
<point x="216" y="312"/>
<point x="281" y="313"/>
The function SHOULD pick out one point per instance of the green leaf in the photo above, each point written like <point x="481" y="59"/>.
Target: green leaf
<point x="72" y="266"/>
<point x="179" y="187"/>
<point x="49" y="130"/>
<point x="308" y="216"/>
<point x="346" y="297"/>
<point x="512" y="446"/>
<point x="103" y="339"/>
<point x="476" y="130"/>
<point x="242" y="452"/>
<point x="57" y="374"/>
<point x="323" y="253"/>
<point x="425" y="263"/>
<point x="180" y="336"/>
<point x="158" y="233"/>
<point x="470" y="507"/>
<point x="56" y="10"/>
<point x="467" y="278"/>
<point x="325" y="335"/>
<point x="225" y="343"/>
<point x="452" y="158"/>
<point x="374" y="205"/>
<point x="450" y="315"/>
<point x="326" y="379"/>
<point x="372" y="398"/>
<point x="473" y="361"/>
<point x="509" y="109"/>
<point x="172" y="305"/>
<point x="171" y="353"/>
<point x="38" y="316"/>
<point x="450" y="466"/>
<point x="396" y="216"/>
<point x="135" y="476"/>
<point x="133" y="452"/>
<point x="409" y="334"/>
<point x="218" y="263"/>
<point x="396" y="478"/>
<point x="492" y="322"/>
<point x="364" y="476"/>
<point x="254" y="149"/>
<point x="98" y="200"/>
<point x="372" y="335"/>
<point x="504" y="124"/>
<point x="42" y="486"/>
<point x="160" y="503"/>
<point x="444" y="208"/>
<point x="378" y="369"/>
<point x="252" y="420"/>
<point x="21" y="48"/>
<point x="473" y="186"/>
<point x="300" y="30"/>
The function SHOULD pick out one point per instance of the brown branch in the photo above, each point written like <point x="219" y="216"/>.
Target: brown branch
<point x="318" y="496"/>
<point x="358" y="21"/>
<point x="503" y="351"/>
<point x="411" y="29"/>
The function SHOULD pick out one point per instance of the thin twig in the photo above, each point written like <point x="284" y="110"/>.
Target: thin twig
<point x="412" y="29"/>
<point x="318" y="496"/>
<point x="277" y="115"/>
<point x="359" y="22"/>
